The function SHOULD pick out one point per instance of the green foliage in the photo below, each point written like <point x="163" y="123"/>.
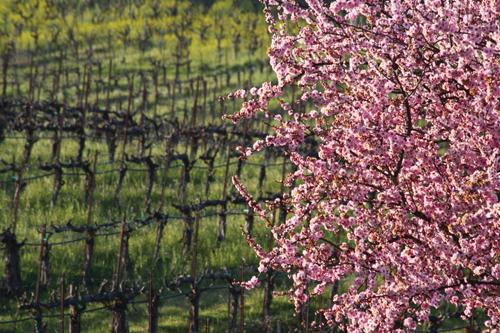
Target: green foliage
<point x="31" y="24"/>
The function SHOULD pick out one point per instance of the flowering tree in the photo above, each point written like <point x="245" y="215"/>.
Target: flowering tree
<point x="399" y="201"/>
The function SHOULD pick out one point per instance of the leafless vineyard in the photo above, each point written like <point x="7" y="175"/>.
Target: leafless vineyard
<point x="138" y="139"/>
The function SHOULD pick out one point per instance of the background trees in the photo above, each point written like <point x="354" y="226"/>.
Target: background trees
<point x="149" y="24"/>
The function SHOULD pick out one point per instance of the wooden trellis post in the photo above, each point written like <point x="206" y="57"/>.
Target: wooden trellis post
<point x="223" y="212"/>
<point x="108" y="86"/>
<point x="89" y="230"/>
<point x="242" y="303"/>
<point x="61" y="306"/>
<point x="234" y="295"/>
<point x="153" y="304"/>
<point x="56" y="156"/>
<point x="75" y="312"/>
<point x="123" y="261"/>
<point x="249" y="219"/>
<point x="195" y="294"/>
<point x="127" y="123"/>
<point x="37" y="311"/>
<point x="151" y="167"/>
<point x="142" y="124"/>
<point x="44" y="258"/>
<point x="268" y="297"/>
<point x="194" y="308"/>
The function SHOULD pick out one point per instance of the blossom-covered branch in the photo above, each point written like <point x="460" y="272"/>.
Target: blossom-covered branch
<point x="400" y="202"/>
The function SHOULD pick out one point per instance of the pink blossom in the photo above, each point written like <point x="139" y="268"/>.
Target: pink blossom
<point x="252" y="283"/>
<point x="410" y="323"/>
<point x="398" y="195"/>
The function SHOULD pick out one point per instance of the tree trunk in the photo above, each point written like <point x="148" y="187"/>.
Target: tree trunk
<point x="119" y="323"/>
<point x="89" y="254"/>
<point x="13" y="282"/>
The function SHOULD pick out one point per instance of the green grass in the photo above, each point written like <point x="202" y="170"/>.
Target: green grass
<point x="36" y="210"/>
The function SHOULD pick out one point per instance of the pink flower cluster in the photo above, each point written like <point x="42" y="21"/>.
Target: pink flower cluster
<point x="400" y="203"/>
